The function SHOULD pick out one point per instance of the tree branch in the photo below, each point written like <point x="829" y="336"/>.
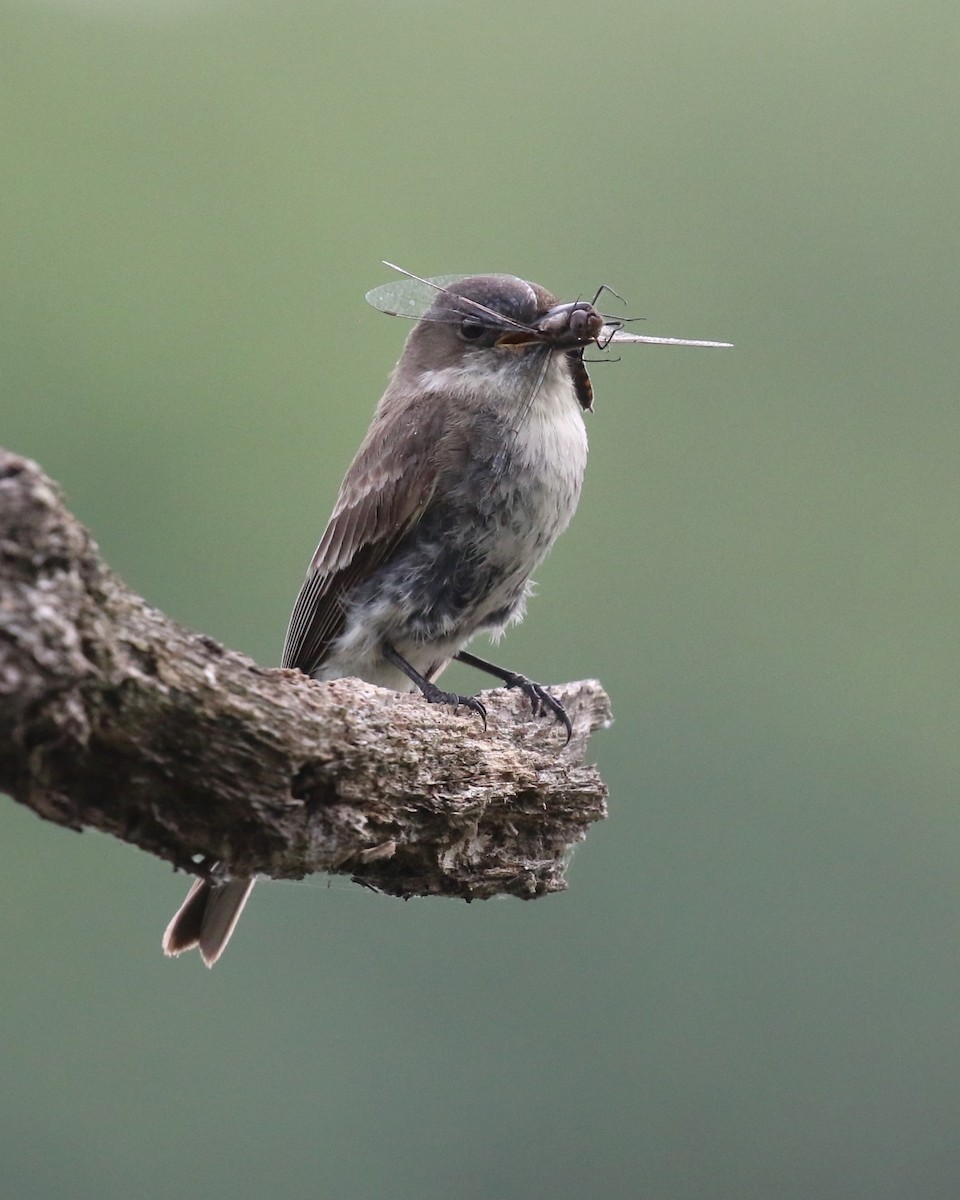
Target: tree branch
<point x="114" y="717"/>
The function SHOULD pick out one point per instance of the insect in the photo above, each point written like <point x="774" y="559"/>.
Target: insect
<point x="413" y="296"/>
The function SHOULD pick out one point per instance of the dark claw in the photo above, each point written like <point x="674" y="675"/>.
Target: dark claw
<point x="541" y="701"/>
<point x="435" y="696"/>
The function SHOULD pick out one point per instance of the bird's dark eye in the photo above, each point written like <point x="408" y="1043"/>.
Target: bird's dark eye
<point x="471" y="328"/>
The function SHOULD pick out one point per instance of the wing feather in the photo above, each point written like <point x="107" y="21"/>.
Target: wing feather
<point x="381" y="498"/>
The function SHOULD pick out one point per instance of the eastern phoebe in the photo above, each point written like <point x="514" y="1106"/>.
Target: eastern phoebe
<point x="470" y="471"/>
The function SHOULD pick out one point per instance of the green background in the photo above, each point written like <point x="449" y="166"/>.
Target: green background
<point x="752" y="987"/>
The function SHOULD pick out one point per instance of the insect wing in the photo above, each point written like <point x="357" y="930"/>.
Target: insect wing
<point x="610" y="335"/>
<point x="409" y="297"/>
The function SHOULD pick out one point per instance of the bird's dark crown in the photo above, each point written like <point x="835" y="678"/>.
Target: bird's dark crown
<point x="487" y="297"/>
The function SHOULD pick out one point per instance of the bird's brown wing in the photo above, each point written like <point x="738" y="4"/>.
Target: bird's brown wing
<point x="382" y="497"/>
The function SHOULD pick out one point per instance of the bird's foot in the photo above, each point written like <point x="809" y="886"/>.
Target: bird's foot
<point x="434" y="695"/>
<point x="541" y="700"/>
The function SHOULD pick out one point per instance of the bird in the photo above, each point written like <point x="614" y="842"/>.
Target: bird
<point x="469" y="472"/>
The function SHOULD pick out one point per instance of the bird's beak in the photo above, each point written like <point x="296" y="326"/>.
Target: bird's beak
<point x="565" y="327"/>
<point x="516" y="339"/>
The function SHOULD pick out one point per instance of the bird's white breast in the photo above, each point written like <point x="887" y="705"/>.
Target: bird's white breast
<point x="550" y="440"/>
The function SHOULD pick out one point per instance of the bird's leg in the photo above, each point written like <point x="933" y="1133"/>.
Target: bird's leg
<point x="431" y="693"/>
<point x="540" y="699"/>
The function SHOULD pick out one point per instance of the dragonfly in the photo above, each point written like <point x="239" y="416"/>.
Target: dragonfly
<point x="412" y="297"/>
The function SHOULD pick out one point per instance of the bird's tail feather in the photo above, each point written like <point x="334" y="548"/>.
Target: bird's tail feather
<point x="207" y="918"/>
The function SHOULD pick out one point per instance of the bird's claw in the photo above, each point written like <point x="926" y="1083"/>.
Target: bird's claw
<point x="436" y="696"/>
<point x="541" y="701"/>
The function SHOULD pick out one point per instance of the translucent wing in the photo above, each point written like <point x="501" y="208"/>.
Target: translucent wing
<point x="611" y="335"/>
<point x="409" y="297"/>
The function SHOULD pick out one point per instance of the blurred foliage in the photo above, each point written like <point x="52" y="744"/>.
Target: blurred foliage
<point x="752" y="988"/>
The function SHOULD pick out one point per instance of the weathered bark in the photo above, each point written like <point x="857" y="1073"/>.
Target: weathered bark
<point x="114" y="717"/>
